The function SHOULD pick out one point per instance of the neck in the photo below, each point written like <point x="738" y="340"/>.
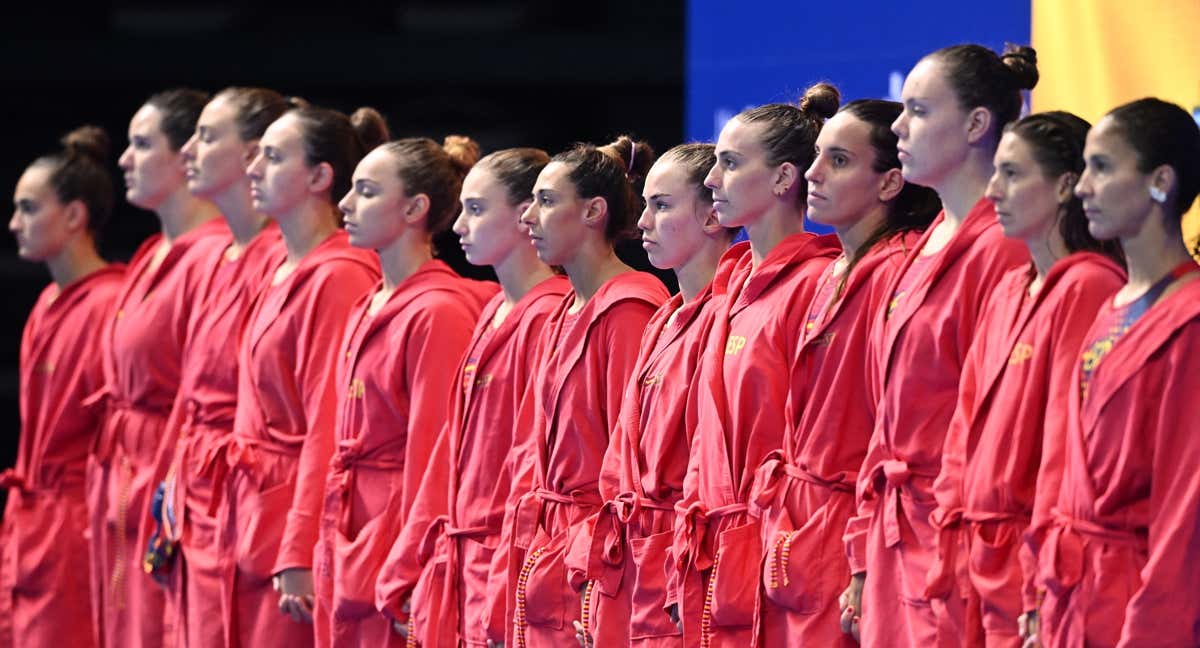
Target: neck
<point x="519" y="272"/>
<point x="404" y="257"/>
<point x="306" y="228"/>
<point x="964" y="188"/>
<point x="590" y="268"/>
<point x="776" y="225"/>
<point x="697" y="272"/>
<point x="236" y="205"/>
<point x="1046" y="251"/>
<point x="1152" y="253"/>
<point x="78" y="260"/>
<point x="182" y="212"/>
<point x="854" y="237"/>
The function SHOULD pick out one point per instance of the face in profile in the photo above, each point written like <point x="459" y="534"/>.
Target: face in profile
<point x="1027" y="201"/>
<point x="280" y="177"/>
<point x="152" y="169"/>
<point x="40" y="222"/>
<point x="741" y="181"/>
<point x="674" y="219"/>
<point x="556" y="218"/>
<point x="215" y="156"/>
<point x="489" y="227"/>
<point x="376" y="210"/>
<point x="1115" y="194"/>
<point x="932" y="129"/>
<point x="843" y="185"/>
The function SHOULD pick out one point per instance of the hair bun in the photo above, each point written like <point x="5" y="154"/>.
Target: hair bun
<point x="371" y="127"/>
<point x="464" y="152"/>
<point x="294" y="102"/>
<point x="1022" y="62"/>
<point x="88" y="141"/>
<point x="634" y="156"/>
<point x="821" y="100"/>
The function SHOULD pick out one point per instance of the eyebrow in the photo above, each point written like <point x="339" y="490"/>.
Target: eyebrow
<point x="657" y="196"/>
<point x="838" y="149"/>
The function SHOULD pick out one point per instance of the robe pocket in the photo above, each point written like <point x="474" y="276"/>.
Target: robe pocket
<point x="993" y="552"/>
<point x="735" y="593"/>
<point x="428" y="597"/>
<point x="548" y="598"/>
<point x="476" y="564"/>
<point x="44" y="543"/>
<point x="262" y="519"/>
<point x="797" y="575"/>
<point x="355" y="570"/>
<point x="917" y="552"/>
<point x="649" y="557"/>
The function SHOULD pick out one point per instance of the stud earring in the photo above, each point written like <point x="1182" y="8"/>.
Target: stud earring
<point x="1158" y="195"/>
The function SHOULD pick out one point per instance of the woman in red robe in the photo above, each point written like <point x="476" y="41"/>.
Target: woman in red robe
<point x="439" y="564"/>
<point x="624" y="546"/>
<point x="763" y="287"/>
<point x="144" y="344"/>
<point x="1003" y="452"/>
<point x="62" y="202"/>
<point x="1119" y="557"/>
<point x="956" y="102"/>
<point x="396" y="366"/>
<point x="271" y="475"/>
<point x="583" y="201"/>
<point x="805" y="490"/>
<point x="226" y="138"/>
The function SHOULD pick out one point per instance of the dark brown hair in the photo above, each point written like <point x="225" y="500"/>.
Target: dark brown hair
<point x="517" y="169"/>
<point x="915" y="207"/>
<point x="435" y="170"/>
<point x="180" y="109"/>
<point x="254" y="109"/>
<point x="340" y="141"/>
<point x="1056" y="141"/>
<point x="80" y="171"/>
<point x="697" y="160"/>
<point x="613" y="172"/>
<point x="980" y="77"/>
<point x="789" y="132"/>
<point x="1163" y="133"/>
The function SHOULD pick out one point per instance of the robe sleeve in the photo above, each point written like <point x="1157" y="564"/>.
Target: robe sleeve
<point x="432" y="351"/>
<point x="1165" y="610"/>
<point x="318" y="350"/>
<point x="1076" y="314"/>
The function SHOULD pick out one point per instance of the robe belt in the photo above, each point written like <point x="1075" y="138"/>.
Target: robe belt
<point x="238" y="453"/>
<point x="1060" y="559"/>
<point x="10" y="478"/>
<point x="897" y="474"/>
<point x="775" y="468"/>
<point x="177" y="487"/>
<point x="351" y="454"/>
<point x="692" y="533"/>
<point x="606" y="555"/>
<point x="530" y="506"/>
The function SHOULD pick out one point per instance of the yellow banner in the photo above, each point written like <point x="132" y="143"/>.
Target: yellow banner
<point x="1094" y="55"/>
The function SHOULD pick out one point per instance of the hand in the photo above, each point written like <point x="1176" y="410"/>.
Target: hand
<point x="495" y="644"/>
<point x="850" y="603"/>
<point x="295" y="587"/>
<point x="673" y="612"/>
<point x="1029" y="625"/>
<point x="401" y="628"/>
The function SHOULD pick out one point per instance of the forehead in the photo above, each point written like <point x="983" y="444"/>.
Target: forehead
<point x="218" y="111"/>
<point x="927" y="80"/>
<point x="480" y="180"/>
<point x="376" y="166"/>
<point x="667" y="176"/>
<point x="145" y="120"/>
<point x="739" y="136"/>
<point x="283" y="133"/>
<point x="1107" y="138"/>
<point x="1012" y="146"/>
<point x="844" y="130"/>
<point x="34" y="181"/>
<point x="554" y="176"/>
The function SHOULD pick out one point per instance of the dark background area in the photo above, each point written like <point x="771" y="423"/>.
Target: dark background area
<point x="542" y="74"/>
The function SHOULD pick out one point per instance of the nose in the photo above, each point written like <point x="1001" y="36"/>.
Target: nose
<point x="126" y="159"/>
<point x="189" y="149"/>
<point x="713" y="179"/>
<point x="814" y="174"/>
<point x="14" y="223"/>
<point x="347" y="204"/>
<point x="254" y="169"/>
<point x="529" y="216"/>
<point x="645" y="222"/>
<point x="1083" y="188"/>
<point x="460" y="224"/>
<point x="994" y="191"/>
<point x="900" y="126"/>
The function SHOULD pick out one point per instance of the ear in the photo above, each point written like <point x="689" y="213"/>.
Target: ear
<point x="1065" y="190"/>
<point x="709" y="224"/>
<point x="890" y="185"/>
<point x="249" y="150"/>
<point x="786" y="177"/>
<point x="320" y="178"/>
<point x="76" y="216"/>
<point x="417" y="209"/>
<point x="979" y="124"/>
<point x="1165" y="180"/>
<point x="596" y="213"/>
